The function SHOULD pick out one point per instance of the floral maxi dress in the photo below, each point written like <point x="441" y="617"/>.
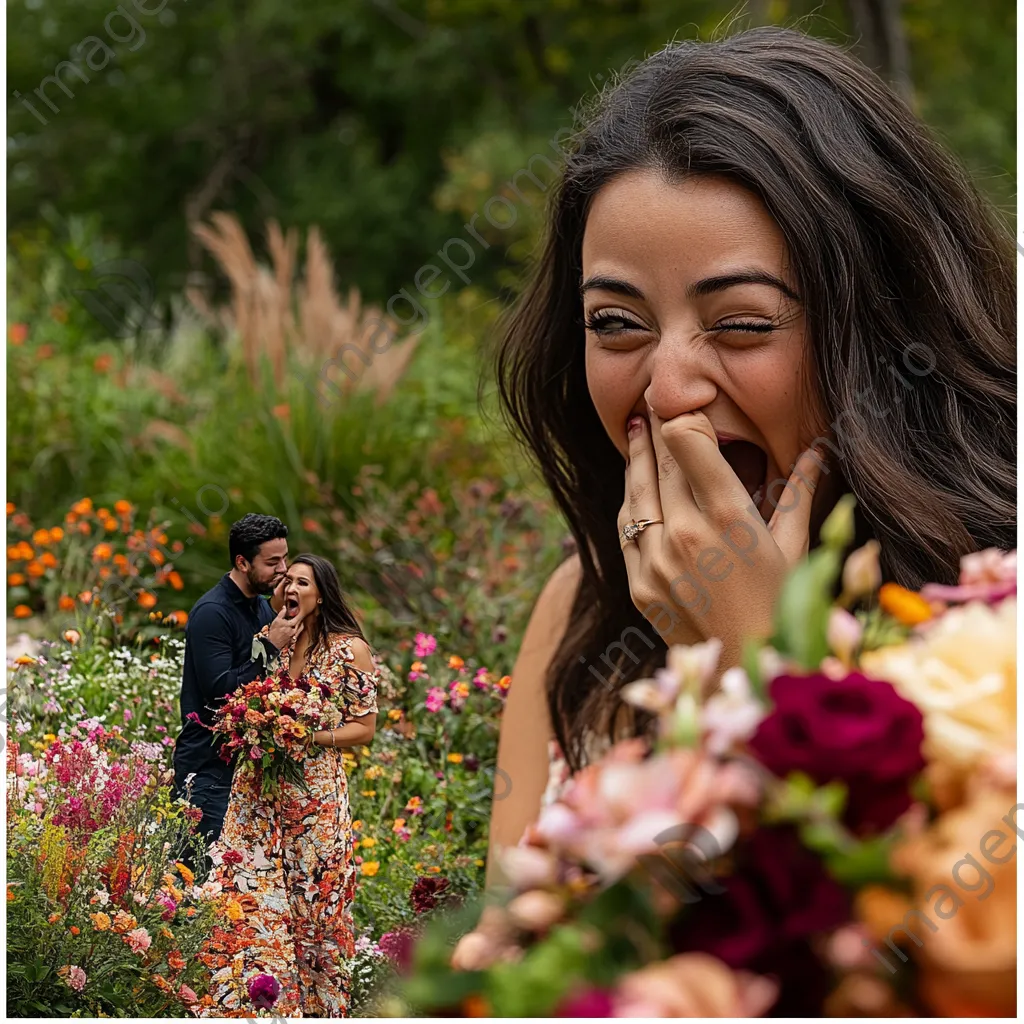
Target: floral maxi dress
<point x="286" y="868"/>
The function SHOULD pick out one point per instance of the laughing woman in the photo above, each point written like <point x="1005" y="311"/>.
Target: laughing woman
<point x="764" y="284"/>
<point x="287" y="860"/>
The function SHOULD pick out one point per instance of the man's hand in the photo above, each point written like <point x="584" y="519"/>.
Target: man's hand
<point x="284" y="630"/>
<point x="277" y="598"/>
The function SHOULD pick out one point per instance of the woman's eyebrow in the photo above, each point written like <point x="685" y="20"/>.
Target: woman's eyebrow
<point x="720" y="282"/>
<point x="612" y="284"/>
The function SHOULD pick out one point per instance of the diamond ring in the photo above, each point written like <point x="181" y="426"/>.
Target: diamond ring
<point x="633" y="529"/>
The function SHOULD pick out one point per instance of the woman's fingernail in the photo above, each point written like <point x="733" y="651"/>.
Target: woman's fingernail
<point x="635" y="426"/>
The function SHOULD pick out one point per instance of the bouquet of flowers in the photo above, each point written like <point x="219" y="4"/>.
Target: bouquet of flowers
<point x="269" y="724"/>
<point x="830" y="833"/>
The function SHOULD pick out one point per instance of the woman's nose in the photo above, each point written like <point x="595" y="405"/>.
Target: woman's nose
<point x="681" y="380"/>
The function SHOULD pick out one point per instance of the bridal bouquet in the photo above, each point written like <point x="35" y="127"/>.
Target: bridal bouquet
<point x="831" y="833"/>
<point x="269" y="724"/>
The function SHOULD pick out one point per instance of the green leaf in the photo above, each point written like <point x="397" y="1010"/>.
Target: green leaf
<point x="838" y="529"/>
<point x="752" y="666"/>
<point x="801" y="620"/>
<point x="863" y="863"/>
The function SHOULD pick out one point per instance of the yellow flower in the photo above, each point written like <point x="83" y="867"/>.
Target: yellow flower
<point x="357" y="825"/>
<point x="961" y="672"/>
<point x="394" y="714"/>
<point x="365" y="751"/>
<point x="24" y="659"/>
<point x="234" y="910"/>
<point x="369" y="792"/>
<point x="374" y="771"/>
<point x="100" y="921"/>
<point x="369" y="842"/>
<point x="185" y="872"/>
<point x="398" y="825"/>
<point x="49" y="737"/>
<point x="904" y="605"/>
<point x="370" y="867"/>
<point x="479" y="863"/>
<point x="455" y="759"/>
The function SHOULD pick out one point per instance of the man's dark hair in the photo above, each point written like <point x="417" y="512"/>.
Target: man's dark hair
<point x="250" y="532"/>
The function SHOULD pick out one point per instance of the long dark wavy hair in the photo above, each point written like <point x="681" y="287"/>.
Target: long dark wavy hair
<point x="900" y="264"/>
<point x="335" y="615"/>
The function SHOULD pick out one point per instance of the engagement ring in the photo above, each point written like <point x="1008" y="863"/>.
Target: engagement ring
<point x="633" y="528"/>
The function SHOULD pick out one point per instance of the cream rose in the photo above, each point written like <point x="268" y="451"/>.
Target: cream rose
<point x="961" y="672"/>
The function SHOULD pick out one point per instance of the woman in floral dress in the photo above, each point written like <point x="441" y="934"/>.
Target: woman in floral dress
<point x="285" y="862"/>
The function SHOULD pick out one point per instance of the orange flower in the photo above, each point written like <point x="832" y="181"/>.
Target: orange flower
<point x="504" y="682"/>
<point x="281" y="411"/>
<point x="56" y="534"/>
<point x="434" y="869"/>
<point x="103" y="363"/>
<point x="311" y="525"/>
<point x="370" y="868"/>
<point x="41" y="537"/>
<point x="179" y="618"/>
<point x="72" y="636"/>
<point x="17" y="334"/>
<point x="175" y="580"/>
<point x="103" y="513"/>
<point x="49" y="559"/>
<point x="476" y="1006"/>
<point x="10" y="507"/>
<point x="156" y="557"/>
<point x="13" y="552"/>
<point x="122" y="507"/>
<point x="904" y="605"/>
<point x="16" y="579"/>
<point x="186" y="872"/>
<point x="24" y="659"/>
<point x="70" y="518"/>
<point x="175" y="961"/>
<point x="53" y="918"/>
<point x="36" y="569"/>
<point x="102" y="552"/>
<point x="146" y="599"/>
<point x="83" y="507"/>
<point x="234" y="911"/>
<point x="110" y="525"/>
<point x="85" y="529"/>
<point x="455" y="661"/>
<point x="104" y="572"/>
<point x="66" y="603"/>
<point x="25" y="551"/>
<point x="75" y="930"/>
<point x="22" y="611"/>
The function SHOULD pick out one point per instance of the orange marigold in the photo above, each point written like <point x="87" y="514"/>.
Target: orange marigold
<point x="22" y="611"/>
<point x="41" y="537"/>
<point x="122" y="507"/>
<point x="85" y="597"/>
<point x="49" y="559"/>
<point x="146" y="599"/>
<point x="156" y="556"/>
<point x="85" y="529"/>
<point x="904" y="605"/>
<point x="175" y="580"/>
<point x="16" y="579"/>
<point x="25" y="550"/>
<point x="102" y="552"/>
<point x="13" y="552"/>
<point x="83" y="507"/>
<point x="66" y="603"/>
<point x="36" y="569"/>
<point x="10" y="507"/>
<point x="56" y="534"/>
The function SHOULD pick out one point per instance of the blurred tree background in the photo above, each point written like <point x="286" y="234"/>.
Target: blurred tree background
<point x="383" y="125"/>
<point x="386" y="122"/>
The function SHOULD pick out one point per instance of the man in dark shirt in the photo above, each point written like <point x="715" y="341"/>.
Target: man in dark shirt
<point x="219" y="658"/>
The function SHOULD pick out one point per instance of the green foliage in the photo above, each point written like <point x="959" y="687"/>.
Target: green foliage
<point x="378" y="120"/>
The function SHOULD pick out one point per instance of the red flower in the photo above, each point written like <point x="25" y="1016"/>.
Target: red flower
<point x="397" y="947"/>
<point x="854" y="730"/>
<point x="427" y="893"/>
<point x="232" y="857"/>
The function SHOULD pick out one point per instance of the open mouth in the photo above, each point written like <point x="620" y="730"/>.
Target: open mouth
<point x="291" y="607"/>
<point x="750" y="464"/>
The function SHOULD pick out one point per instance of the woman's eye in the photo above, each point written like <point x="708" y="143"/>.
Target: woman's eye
<point x="611" y="323"/>
<point x="752" y="326"/>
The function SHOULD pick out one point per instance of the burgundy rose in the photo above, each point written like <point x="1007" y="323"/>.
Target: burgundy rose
<point x="397" y="947"/>
<point x="471" y="762"/>
<point x="591" y="1002"/>
<point x="264" y="990"/>
<point x="853" y="730"/>
<point x="427" y="893"/>
<point x="779" y="894"/>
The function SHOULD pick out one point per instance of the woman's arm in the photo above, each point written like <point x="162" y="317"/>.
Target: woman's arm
<point x="357" y="733"/>
<point x="363" y="725"/>
<point x="525" y="724"/>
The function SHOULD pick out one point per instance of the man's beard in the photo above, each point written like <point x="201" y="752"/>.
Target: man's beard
<point x="258" y="586"/>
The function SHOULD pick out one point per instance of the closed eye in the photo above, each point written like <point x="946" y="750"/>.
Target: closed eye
<point x="757" y="327"/>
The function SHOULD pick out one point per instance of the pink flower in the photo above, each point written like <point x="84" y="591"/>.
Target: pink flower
<point x="426" y="644"/>
<point x="169" y="906"/>
<point x="264" y="990"/>
<point x="76" y="977"/>
<point x="693" y="985"/>
<point x="139" y="940"/>
<point x="620" y="807"/>
<point x="435" y="698"/>
<point x="988" y="575"/>
<point x="187" y="996"/>
<point x="255" y="753"/>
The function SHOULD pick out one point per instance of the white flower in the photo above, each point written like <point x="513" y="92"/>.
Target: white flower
<point x="732" y="715"/>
